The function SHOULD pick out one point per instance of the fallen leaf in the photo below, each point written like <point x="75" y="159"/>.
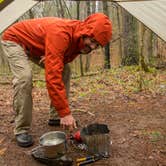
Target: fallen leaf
<point x="1" y="140"/>
<point x="2" y="151"/>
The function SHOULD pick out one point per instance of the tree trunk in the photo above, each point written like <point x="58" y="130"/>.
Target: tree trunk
<point x="119" y="18"/>
<point x="62" y="13"/>
<point x="78" y="16"/>
<point x="147" y="51"/>
<point x="57" y="7"/>
<point x="93" y="6"/>
<point x="131" y="53"/>
<point x="107" y="47"/>
<point x="68" y="11"/>
<point x="87" y="64"/>
<point x="142" y="41"/>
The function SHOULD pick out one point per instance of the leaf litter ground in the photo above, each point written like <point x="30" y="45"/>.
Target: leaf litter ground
<point x="136" y="117"/>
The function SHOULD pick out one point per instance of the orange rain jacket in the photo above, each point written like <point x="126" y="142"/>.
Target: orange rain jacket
<point x="60" y="41"/>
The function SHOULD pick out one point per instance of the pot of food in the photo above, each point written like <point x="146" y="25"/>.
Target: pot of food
<point x="53" y="144"/>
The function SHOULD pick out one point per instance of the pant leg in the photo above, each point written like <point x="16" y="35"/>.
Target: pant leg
<point x="22" y="84"/>
<point x="66" y="79"/>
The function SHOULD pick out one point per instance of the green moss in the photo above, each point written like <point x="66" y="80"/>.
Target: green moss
<point x="39" y="84"/>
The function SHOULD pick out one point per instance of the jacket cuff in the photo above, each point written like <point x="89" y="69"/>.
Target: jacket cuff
<point x="63" y="112"/>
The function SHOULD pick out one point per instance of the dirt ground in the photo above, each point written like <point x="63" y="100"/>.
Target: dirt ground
<point x="136" y="119"/>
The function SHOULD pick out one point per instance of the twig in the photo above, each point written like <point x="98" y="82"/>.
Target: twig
<point x="88" y="112"/>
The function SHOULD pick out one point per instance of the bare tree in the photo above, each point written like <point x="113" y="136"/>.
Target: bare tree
<point x="107" y="64"/>
<point x="142" y="64"/>
<point x="119" y="18"/>
<point x="81" y="61"/>
<point x="62" y="12"/>
<point x="87" y="64"/>
<point x="131" y="51"/>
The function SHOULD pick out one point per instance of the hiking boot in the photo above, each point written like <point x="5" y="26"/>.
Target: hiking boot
<point x="54" y="122"/>
<point x="24" y="140"/>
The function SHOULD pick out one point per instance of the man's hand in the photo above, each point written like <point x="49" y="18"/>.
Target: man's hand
<point x="68" y="122"/>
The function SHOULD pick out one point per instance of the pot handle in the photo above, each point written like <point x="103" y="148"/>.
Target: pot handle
<point x="36" y="148"/>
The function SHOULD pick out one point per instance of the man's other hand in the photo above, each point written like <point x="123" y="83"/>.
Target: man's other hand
<point x="68" y="122"/>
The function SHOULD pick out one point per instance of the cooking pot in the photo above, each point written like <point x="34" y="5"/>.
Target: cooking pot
<point x="53" y="144"/>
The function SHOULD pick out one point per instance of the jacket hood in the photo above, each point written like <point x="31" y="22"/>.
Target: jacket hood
<point x="99" y="27"/>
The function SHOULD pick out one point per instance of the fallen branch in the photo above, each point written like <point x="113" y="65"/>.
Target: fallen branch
<point x="88" y="112"/>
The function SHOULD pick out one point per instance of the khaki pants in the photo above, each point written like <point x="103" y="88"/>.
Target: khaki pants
<point x="22" y="84"/>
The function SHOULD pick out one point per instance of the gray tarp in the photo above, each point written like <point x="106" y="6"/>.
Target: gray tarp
<point x="150" y="13"/>
<point x="13" y="11"/>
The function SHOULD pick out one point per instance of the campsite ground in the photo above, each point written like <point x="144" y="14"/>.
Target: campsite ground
<point x="136" y="118"/>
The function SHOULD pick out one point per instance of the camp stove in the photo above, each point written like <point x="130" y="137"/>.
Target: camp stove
<point x="52" y="149"/>
<point x="63" y="160"/>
